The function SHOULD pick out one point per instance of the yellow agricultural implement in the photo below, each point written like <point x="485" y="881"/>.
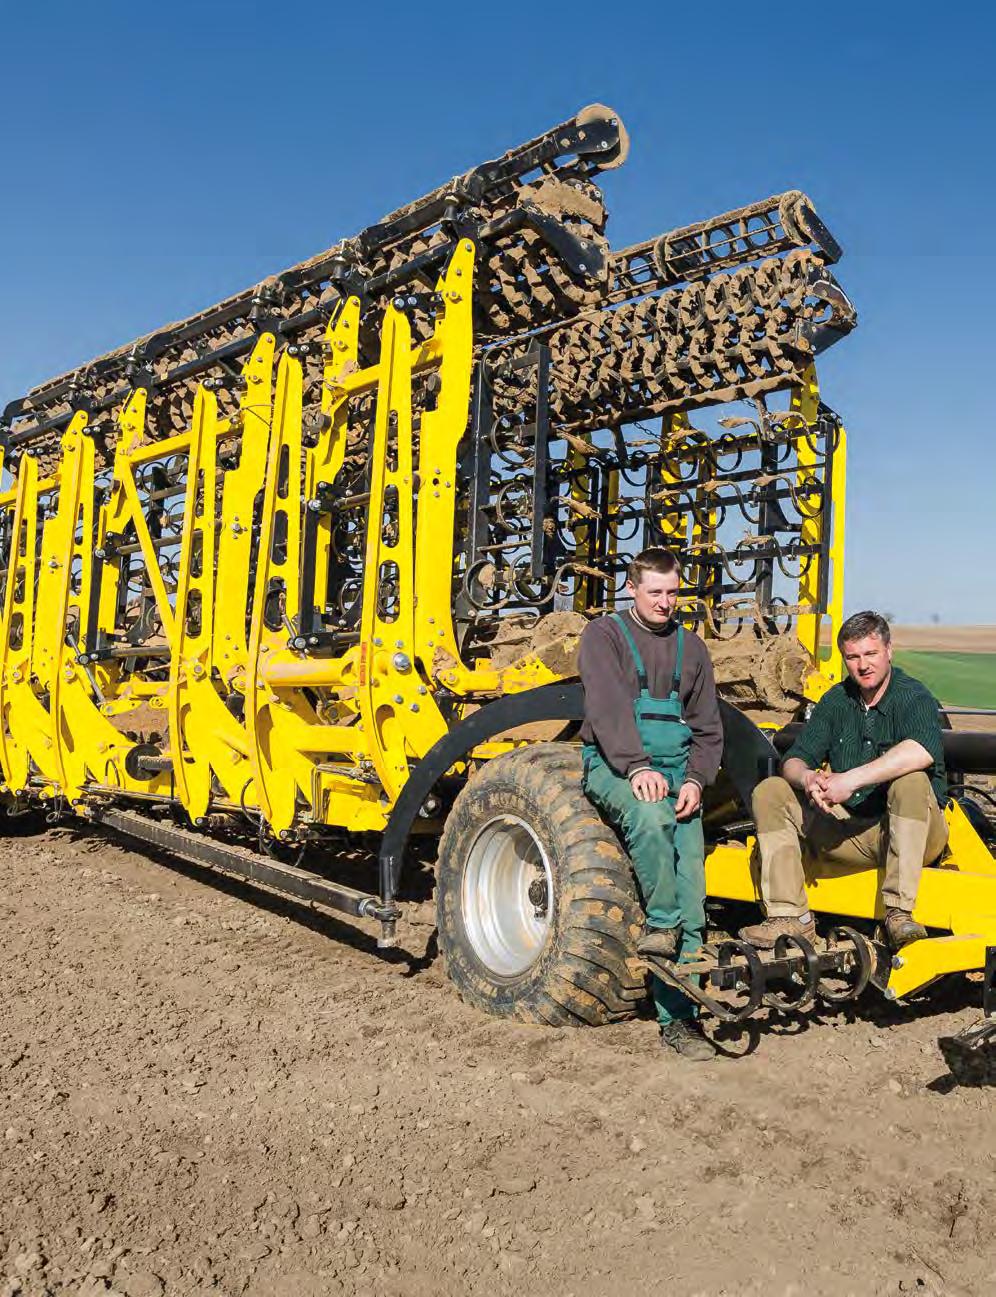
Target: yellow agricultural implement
<point x="305" y="565"/>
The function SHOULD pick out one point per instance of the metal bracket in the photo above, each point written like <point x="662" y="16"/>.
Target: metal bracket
<point x="787" y="979"/>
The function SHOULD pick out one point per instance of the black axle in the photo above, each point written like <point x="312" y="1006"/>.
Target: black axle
<point x="301" y="884"/>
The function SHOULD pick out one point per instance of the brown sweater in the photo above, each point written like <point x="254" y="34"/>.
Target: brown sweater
<point x="610" y="687"/>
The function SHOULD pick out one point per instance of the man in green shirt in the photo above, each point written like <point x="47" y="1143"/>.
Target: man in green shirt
<point x="877" y="806"/>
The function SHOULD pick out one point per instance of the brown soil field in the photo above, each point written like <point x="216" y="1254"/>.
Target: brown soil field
<point x="945" y="639"/>
<point x="202" y="1093"/>
<point x="983" y="724"/>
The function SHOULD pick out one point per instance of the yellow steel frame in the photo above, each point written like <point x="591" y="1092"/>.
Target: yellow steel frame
<point x="814" y="628"/>
<point x="958" y="897"/>
<point x="293" y="738"/>
<point x="321" y="739"/>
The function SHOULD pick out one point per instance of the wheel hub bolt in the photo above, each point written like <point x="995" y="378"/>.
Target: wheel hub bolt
<point x="538" y="894"/>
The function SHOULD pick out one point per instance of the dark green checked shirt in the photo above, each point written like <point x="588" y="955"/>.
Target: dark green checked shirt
<point x="843" y="733"/>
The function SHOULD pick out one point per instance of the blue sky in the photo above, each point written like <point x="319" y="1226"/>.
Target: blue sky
<point x="159" y="157"/>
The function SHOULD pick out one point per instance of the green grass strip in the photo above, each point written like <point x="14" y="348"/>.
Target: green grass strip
<point x="958" y="679"/>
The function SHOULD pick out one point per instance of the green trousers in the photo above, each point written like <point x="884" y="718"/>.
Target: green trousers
<point x="668" y="856"/>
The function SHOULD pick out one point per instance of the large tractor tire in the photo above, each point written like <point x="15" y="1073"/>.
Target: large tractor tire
<point x="536" y="901"/>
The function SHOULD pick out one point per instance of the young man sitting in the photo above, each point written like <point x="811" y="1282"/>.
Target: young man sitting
<point x="653" y="740"/>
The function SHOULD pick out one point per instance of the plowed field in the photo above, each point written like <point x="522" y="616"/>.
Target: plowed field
<point x="201" y="1094"/>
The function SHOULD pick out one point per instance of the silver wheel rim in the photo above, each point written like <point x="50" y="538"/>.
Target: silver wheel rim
<point x="507" y="930"/>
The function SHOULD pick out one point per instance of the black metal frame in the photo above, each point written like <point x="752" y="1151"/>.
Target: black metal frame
<point x="301" y="884"/>
<point x="476" y="468"/>
<point x="794" y="963"/>
<point x="595" y="144"/>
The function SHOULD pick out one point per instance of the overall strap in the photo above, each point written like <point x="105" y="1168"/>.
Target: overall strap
<point x="641" y="670"/>
<point x="679" y="653"/>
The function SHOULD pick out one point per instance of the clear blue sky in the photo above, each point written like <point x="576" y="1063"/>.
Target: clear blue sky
<point x="157" y="157"/>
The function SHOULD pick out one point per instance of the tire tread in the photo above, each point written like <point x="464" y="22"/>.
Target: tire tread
<point x="590" y="974"/>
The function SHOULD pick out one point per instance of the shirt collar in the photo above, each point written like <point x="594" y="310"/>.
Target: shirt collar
<point x="666" y="629"/>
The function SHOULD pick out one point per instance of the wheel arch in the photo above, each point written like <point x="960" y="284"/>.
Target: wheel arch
<point x="748" y="756"/>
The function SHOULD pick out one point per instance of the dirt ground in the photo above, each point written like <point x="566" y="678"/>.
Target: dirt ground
<point x="201" y="1094"/>
<point x="945" y="639"/>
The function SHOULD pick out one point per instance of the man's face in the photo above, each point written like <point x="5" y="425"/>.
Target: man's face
<point x="868" y="661"/>
<point x="655" y="597"/>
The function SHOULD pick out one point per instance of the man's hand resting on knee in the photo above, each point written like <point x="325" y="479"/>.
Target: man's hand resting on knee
<point x="649" y="786"/>
<point x="903" y="758"/>
<point x="689" y="800"/>
<point x="812" y="783"/>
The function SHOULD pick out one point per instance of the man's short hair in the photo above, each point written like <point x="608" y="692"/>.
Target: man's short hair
<point x="661" y="561"/>
<point x="862" y="624"/>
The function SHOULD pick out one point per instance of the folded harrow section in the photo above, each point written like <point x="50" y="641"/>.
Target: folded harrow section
<point x="258" y="564"/>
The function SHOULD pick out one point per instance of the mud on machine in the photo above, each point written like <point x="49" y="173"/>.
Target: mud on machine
<point x="301" y="568"/>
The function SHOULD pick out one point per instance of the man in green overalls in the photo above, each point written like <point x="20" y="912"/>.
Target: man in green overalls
<point x="653" y="740"/>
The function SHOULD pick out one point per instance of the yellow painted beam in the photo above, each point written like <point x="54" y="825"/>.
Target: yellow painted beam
<point x="956" y="902"/>
<point x="923" y="962"/>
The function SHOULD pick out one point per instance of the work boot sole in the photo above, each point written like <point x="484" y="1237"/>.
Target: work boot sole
<point x="905" y="937"/>
<point x="664" y="942"/>
<point x="901" y="929"/>
<point x="694" y="1048"/>
<point x="761" y="941"/>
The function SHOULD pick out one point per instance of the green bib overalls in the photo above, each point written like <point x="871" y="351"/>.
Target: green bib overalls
<point x="665" y="737"/>
<point x="668" y="854"/>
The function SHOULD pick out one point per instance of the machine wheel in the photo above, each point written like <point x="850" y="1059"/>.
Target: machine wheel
<point x="536" y="902"/>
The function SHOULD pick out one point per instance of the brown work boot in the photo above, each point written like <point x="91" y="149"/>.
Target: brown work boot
<point x="764" y="935"/>
<point x="688" y="1040"/>
<point x="659" y="941"/>
<point x="901" y="928"/>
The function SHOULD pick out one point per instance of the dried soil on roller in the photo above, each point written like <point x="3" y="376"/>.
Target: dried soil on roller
<point x="200" y="1095"/>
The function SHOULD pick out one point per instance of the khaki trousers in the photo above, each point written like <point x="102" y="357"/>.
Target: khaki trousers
<point x="912" y="833"/>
